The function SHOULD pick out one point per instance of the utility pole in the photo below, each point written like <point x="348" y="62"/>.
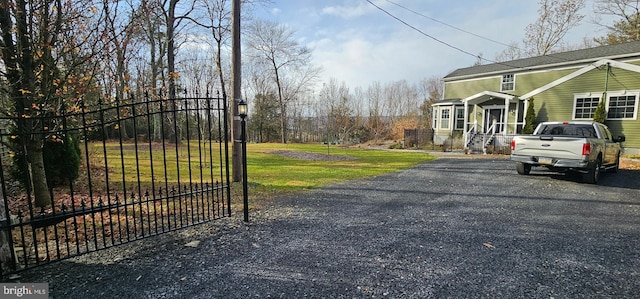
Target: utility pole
<point x="236" y="70"/>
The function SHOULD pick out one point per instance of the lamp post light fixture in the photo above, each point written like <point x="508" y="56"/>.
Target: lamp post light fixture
<point x="242" y="112"/>
<point x="242" y="109"/>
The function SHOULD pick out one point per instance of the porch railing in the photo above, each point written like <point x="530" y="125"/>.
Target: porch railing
<point x="470" y="134"/>
<point x="487" y="138"/>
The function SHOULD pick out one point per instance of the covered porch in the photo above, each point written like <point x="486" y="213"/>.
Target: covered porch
<point x="489" y="114"/>
<point x="485" y="119"/>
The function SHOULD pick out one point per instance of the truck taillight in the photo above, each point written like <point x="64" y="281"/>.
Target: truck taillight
<point x="513" y="144"/>
<point x="586" y="149"/>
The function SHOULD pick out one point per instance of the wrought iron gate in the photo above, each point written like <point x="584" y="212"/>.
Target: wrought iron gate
<point x="146" y="167"/>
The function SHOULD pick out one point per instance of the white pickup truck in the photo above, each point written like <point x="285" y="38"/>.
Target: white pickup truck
<point x="585" y="147"/>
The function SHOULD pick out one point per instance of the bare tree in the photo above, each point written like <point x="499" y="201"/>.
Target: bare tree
<point x="338" y="103"/>
<point x="150" y="56"/>
<point x="403" y="105"/>
<point x="46" y="46"/>
<point x="431" y="91"/>
<point x="120" y="32"/>
<point x="555" y="19"/>
<point x="377" y="125"/>
<point x="401" y="99"/>
<point x="120" y="40"/>
<point x="173" y="23"/>
<point x="627" y="28"/>
<point x="359" y="97"/>
<point x="217" y="19"/>
<point x="512" y="52"/>
<point x="289" y="63"/>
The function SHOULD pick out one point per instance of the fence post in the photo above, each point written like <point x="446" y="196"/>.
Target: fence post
<point x="6" y="243"/>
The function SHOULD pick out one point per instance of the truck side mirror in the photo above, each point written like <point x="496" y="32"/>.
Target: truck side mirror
<point x="619" y="139"/>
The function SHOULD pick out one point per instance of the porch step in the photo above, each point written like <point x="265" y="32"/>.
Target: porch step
<point x="477" y="144"/>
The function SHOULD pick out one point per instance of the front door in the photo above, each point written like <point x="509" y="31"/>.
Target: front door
<point x="491" y="115"/>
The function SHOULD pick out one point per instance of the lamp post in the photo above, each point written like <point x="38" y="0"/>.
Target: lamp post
<point x="242" y="112"/>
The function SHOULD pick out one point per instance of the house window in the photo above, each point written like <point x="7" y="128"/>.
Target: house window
<point x="622" y="107"/>
<point x="445" y="116"/>
<point x="435" y="117"/>
<point x="459" y="118"/>
<point x="585" y="107"/>
<point x="508" y="82"/>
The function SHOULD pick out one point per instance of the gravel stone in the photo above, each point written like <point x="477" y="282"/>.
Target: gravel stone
<point x="450" y="228"/>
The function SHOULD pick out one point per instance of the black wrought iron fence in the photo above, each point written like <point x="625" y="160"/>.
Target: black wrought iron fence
<point x="501" y="144"/>
<point x="143" y="168"/>
<point x="418" y="138"/>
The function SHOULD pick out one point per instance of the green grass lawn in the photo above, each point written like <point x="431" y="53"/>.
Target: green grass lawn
<point x="270" y="174"/>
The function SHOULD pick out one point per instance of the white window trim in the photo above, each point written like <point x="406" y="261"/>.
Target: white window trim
<point x="502" y="82"/>
<point x="616" y="93"/>
<point x="436" y="118"/>
<point x="442" y="109"/>
<point x="455" y="118"/>
<point x="624" y="93"/>
<point x="577" y="96"/>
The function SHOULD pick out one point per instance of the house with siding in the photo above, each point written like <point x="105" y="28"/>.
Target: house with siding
<point x="485" y="105"/>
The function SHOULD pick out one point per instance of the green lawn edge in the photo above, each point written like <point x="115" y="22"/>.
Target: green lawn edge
<point x="269" y="173"/>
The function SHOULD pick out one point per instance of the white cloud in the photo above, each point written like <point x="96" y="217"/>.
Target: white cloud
<point x="348" y="11"/>
<point x="359" y="61"/>
<point x="357" y="43"/>
<point x="275" y="11"/>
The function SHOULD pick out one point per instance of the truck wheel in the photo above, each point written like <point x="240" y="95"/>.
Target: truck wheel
<point x="523" y="168"/>
<point x="593" y="174"/>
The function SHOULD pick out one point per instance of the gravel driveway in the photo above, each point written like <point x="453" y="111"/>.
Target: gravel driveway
<point x="452" y="228"/>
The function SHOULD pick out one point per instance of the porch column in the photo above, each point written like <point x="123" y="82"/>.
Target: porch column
<point x="506" y="116"/>
<point x="515" y="121"/>
<point x="526" y="107"/>
<point x="466" y="125"/>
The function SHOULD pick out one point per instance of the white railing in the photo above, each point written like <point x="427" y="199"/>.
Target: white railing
<point x="470" y="134"/>
<point x="486" y="141"/>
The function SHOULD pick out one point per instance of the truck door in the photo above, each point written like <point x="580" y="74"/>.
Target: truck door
<point x="610" y="151"/>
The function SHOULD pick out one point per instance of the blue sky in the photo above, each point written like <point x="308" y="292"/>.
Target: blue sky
<point x="355" y="42"/>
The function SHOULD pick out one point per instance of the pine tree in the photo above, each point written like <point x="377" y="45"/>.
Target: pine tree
<point x="529" y="119"/>
<point x="600" y="114"/>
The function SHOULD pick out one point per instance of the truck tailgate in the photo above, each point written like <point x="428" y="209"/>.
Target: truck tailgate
<point x="559" y="147"/>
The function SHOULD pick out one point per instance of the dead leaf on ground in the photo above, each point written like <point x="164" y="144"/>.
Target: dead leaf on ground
<point x="192" y="244"/>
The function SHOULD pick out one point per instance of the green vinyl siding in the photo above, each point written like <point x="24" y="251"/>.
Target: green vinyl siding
<point x="524" y="82"/>
<point x="463" y="89"/>
<point x="527" y="82"/>
<point x="557" y="104"/>
<point x="620" y="79"/>
<point x="628" y="128"/>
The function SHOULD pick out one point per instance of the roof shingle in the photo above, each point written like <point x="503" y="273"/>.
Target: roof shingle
<point x="571" y="57"/>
